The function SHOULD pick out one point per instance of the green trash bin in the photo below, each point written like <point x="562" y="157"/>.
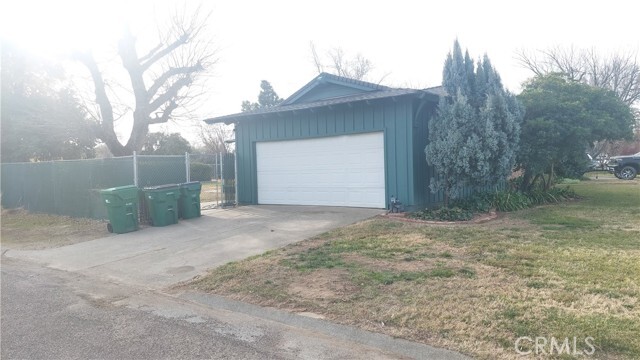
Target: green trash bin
<point x="189" y="203"/>
<point x="162" y="202"/>
<point x="122" y="207"/>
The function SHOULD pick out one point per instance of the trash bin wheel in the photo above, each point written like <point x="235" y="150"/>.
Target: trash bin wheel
<point x="109" y="227"/>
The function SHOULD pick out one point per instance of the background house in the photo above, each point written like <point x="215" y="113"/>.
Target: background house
<point x="336" y="142"/>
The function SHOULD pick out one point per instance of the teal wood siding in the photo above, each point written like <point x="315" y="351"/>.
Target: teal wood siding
<point x="393" y="117"/>
<point x="423" y="112"/>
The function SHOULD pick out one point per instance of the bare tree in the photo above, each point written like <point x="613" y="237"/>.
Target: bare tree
<point x="215" y="138"/>
<point x="619" y="72"/>
<point x="160" y="80"/>
<point x="358" y="67"/>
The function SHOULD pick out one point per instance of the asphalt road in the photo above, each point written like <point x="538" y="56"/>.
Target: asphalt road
<point x="53" y="314"/>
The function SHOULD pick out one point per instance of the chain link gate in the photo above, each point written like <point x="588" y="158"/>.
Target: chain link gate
<point x="228" y="173"/>
<point x="217" y="174"/>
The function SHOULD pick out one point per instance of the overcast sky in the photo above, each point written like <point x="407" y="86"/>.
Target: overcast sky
<point x="269" y="40"/>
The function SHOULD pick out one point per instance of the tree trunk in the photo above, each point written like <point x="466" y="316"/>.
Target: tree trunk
<point x="170" y="69"/>
<point x="446" y="193"/>
<point x="544" y="181"/>
<point x="548" y="185"/>
<point x="526" y="179"/>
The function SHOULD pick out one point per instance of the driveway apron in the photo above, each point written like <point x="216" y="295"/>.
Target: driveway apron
<point x="155" y="257"/>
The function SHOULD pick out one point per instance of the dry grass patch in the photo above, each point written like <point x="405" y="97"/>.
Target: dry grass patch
<point x="27" y="231"/>
<point x="566" y="270"/>
<point x="211" y="191"/>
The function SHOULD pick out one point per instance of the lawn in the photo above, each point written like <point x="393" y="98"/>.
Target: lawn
<point x="23" y="230"/>
<point x="563" y="271"/>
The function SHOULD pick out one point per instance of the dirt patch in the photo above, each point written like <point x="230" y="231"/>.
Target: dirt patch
<point x="26" y="231"/>
<point x="323" y="285"/>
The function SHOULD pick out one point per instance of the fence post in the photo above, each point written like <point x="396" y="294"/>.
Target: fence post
<point x="222" y="200"/>
<point x="235" y="176"/>
<point x="187" y="162"/>
<point x="135" y="169"/>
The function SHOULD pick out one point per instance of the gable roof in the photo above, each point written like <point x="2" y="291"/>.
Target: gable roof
<point x="362" y="91"/>
<point x="326" y="78"/>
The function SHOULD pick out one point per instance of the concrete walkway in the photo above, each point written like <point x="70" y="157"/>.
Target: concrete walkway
<point x="155" y="257"/>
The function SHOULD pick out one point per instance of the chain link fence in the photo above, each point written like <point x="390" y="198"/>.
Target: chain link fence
<point x="219" y="169"/>
<point x="72" y="187"/>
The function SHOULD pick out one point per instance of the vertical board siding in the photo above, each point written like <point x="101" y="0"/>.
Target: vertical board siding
<point x="322" y="125"/>
<point x="331" y="123"/>
<point x="348" y="120"/>
<point x="296" y="128"/>
<point x="388" y="118"/>
<point x="358" y="117"/>
<point x="423" y="172"/>
<point x="405" y="151"/>
<point x="393" y="117"/>
<point x="340" y="120"/>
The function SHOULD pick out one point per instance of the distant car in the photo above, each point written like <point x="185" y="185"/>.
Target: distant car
<point x="625" y="167"/>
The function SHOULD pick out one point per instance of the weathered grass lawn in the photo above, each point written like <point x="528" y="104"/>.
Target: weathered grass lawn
<point x="23" y="230"/>
<point x="568" y="270"/>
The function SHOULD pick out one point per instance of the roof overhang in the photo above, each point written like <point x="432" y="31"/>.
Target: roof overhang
<point x="432" y="94"/>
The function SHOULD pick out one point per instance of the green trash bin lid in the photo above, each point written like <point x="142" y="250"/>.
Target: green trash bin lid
<point x="162" y="191"/>
<point x="118" y="195"/>
<point x="120" y="189"/>
<point x="190" y="186"/>
<point x="161" y="187"/>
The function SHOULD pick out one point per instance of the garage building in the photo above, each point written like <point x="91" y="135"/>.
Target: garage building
<point x="337" y="142"/>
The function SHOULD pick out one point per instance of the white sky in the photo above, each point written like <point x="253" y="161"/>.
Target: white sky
<point x="408" y="40"/>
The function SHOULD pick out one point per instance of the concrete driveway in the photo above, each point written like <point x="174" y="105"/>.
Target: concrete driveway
<point x="156" y="257"/>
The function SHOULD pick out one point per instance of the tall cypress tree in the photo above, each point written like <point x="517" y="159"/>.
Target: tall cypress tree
<point x="473" y="137"/>
<point x="454" y="118"/>
<point x="455" y="73"/>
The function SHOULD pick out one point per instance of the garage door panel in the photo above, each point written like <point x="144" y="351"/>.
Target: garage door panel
<point x="338" y="171"/>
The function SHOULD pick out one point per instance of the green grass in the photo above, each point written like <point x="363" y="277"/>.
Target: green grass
<point x="570" y="269"/>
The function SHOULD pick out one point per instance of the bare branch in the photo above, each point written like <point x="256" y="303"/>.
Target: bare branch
<point x="316" y="58"/>
<point x="166" y="113"/>
<point x="151" y="53"/>
<point x="357" y="68"/>
<point x="183" y="39"/>
<point x="169" y="95"/>
<point x="214" y="138"/>
<point x="162" y="79"/>
<point x="619" y="73"/>
<point x="530" y="62"/>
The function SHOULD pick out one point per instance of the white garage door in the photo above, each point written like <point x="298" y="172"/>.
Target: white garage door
<point x="333" y="171"/>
